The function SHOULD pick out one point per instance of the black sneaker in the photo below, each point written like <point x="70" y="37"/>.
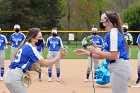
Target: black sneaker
<point x="138" y="81"/>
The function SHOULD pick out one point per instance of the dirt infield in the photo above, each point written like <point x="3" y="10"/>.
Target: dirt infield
<point x="72" y="79"/>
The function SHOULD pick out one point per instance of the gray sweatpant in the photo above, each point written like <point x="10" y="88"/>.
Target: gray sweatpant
<point x="2" y="58"/>
<point x="13" y="81"/>
<point x="13" y="51"/>
<point x="90" y="62"/>
<point x="120" y="73"/>
<point x="51" y="55"/>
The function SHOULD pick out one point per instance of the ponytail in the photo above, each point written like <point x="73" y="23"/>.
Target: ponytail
<point x="115" y="19"/>
<point x="119" y="23"/>
<point x="119" y="26"/>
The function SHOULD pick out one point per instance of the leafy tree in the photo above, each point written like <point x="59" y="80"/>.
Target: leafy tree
<point x="55" y="13"/>
<point x="5" y="14"/>
<point x="20" y="12"/>
<point x="131" y="15"/>
<point x="83" y="13"/>
<point x="46" y="13"/>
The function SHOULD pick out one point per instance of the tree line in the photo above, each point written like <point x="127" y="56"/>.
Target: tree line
<point x="65" y="14"/>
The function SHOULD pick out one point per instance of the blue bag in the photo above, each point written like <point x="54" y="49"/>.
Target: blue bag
<point x="102" y="75"/>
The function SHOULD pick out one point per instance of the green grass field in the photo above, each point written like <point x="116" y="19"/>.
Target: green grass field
<point x="71" y="55"/>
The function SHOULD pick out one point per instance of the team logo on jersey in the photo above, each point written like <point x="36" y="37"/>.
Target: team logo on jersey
<point x="105" y="45"/>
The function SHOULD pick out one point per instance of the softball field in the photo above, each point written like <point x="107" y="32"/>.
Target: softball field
<point x="73" y="73"/>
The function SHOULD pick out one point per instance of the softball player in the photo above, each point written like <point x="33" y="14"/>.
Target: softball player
<point x="40" y="49"/>
<point x="16" y="39"/>
<point x="138" y="42"/>
<point x="54" y="43"/>
<point x="3" y="42"/>
<point x="128" y="37"/>
<point x="26" y="56"/>
<point x="114" y="51"/>
<point x="98" y="41"/>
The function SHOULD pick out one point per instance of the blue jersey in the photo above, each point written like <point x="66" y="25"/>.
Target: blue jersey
<point x="54" y="44"/>
<point x="97" y="39"/>
<point x="3" y="42"/>
<point x="114" y="41"/>
<point x="40" y="47"/>
<point x="16" y="39"/>
<point x="138" y="39"/>
<point x="25" y="57"/>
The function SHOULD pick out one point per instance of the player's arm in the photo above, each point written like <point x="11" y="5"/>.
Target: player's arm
<point x="61" y="43"/>
<point x="113" y="55"/>
<point x="46" y="62"/>
<point x="43" y="45"/>
<point x="10" y="42"/>
<point x="131" y="38"/>
<point x="47" y="43"/>
<point x="139" y="45"/>
<point x="88" y="53"/>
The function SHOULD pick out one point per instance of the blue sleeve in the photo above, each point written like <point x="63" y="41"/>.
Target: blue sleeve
<point x="138" y="40"/>
<point x="34" y="55"/>
<point x="23" y="36"/>
<point x="59" y="43"/>
<point x="11" y="39"/>
<point x="101" y="41"/>
<point x="48" y="43"/>
<point x="43" y="45"/>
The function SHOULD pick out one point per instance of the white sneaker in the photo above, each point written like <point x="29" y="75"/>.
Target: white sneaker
<point x="86" y="80"/>
<point x="1" y="78"/>
<point x="58" y="79"/>
<point x="137" y="85"/>
<point x="49" y="79"/>
<point x="39" y="79"/>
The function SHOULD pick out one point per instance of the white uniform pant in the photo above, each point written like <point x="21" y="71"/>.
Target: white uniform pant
<point x="120" y="73"/>
<point x="51" y="55"/>
<point x="90" y="63"/>
<point x="2" y="57"/>
<point x="12" y="55"/>
<point x="13" y="81"/>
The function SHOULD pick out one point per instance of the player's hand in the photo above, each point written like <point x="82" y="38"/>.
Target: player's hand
<point x="81" y="52"/>
<point x="63" y="52"/>
<point x="92" y="49"/>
